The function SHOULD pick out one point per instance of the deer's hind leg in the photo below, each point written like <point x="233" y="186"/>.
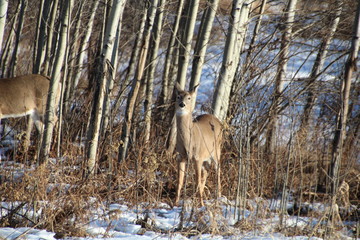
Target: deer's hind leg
<point x="181" y="175"/>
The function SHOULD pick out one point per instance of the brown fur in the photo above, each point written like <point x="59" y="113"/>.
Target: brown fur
<point x="25" y="95"/>
<point x="198" y="140"/>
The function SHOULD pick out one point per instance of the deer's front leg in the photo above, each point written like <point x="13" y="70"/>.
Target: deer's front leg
<point x="200" y="180"/>
<point x="181" y="175"/>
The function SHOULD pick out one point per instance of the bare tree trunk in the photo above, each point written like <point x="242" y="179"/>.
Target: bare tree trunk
<point x="186" y="33"/>
<point x="55" y="83"/>
<point x="41" y="32"/>
<point x="316" y="69"/>
<point x="3" y="14"/>
<point x="152" y="66"/>
<point x="340" y="131"/>
<point x="83" y="46"/>
<point x="50" y="49"/>
<point x="13" y="61"/>
<point x="186" y="40"/>
<point x="202" y="43"/>
<point x="105" y="73"/>
<point x="132" y="63"/>
<point x="74" y="53"/>
<point x="280" y="79"/>
<point x="167" y="85"/>
<point x="233" y="46"/>
<point x="130" y="106"/>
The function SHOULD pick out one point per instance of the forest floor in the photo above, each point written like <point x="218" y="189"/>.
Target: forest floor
<point x="118" y="219"/>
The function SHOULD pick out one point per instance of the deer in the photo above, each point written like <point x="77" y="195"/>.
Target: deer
<point x="25" y="95"/>
<point x="197" y="140"/>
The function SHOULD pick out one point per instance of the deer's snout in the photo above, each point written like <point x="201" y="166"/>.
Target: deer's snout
<point x="182" y="104"/>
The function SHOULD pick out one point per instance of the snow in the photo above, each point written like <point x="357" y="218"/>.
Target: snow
<point x="120" y="221"/>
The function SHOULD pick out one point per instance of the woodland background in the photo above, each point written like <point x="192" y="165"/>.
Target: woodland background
<point x="281" y="75"/>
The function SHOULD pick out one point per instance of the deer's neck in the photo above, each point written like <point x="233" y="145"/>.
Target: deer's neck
<point x="185" y="128"/>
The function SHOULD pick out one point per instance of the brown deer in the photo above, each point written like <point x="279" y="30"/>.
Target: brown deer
<point x="25" y="95"/>
<point x="198" y="141"/>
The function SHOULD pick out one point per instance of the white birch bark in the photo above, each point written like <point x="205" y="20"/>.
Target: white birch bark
<point x="52" y="34"/>
<point x="280" y="77"/>
<point x="55" y="83"/>
<point x="107" y="49"/>
<point x="316" y="69"/>
<point x="3" y="14"/>
<point x="201" y="45"/>
<point x="167" y="85"/>
<point x="233" y="46"/>
<point x="41" y="34"/>
<point x="151" y="73"/>
<point x="130" y="106"/>
<point x="13" y="61"/>
<point x="83" y="46"/>
<point x="340" y="130"/>
<point x="186" y="40"/>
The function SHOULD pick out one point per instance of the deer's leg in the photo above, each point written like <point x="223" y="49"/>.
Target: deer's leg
<point x="38" y="123"/>
<point x="28" y="133"/>
<point x="199" y="180"/>
<point x="181" y="175"/>
<point x="218" y="184"/>
<point x="203" y="179"/>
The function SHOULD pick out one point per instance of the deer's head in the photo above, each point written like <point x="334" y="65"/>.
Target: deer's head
<point x="184" y="100"/>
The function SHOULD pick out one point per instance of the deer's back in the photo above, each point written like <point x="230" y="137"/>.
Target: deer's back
<point x="23" y="93"/>
<point x="209" y="135"/>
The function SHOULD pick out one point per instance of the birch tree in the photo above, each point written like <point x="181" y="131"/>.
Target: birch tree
<point x="130" y="106"/>
<point x="186" y="33"/>
<point x="104" y="73"/>
<point x="152" y="67"/>
<point x="55" y="82"/>
<point x="13" y="61"/>
<point x="3" y="14"/>
<point x="289" y="17"/>
<point x="316" y="70"/>
<point x="41" y="33"/>
<point x="340" y="130"/>
<point x="234" y="42"/>
<point x="202" y="43"/>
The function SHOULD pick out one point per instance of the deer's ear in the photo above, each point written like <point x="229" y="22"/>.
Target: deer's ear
<point x="178" y="88"/>
<point x="194" y="88"/>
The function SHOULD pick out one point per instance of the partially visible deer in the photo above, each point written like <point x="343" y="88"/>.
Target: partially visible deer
<point x="198" y="141"/>
<point x="25" y="95"/>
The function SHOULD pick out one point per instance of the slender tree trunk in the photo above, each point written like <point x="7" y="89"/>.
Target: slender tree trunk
<point x="83" y="47"/>
<point x="13" y="61"/>
<point x="167" y="85"/>
<point x="316" y="69"/>
<point x="105" y="73"/>
<point x="110" y="83"/>
<point x="55" y="83"/>
<point x="74" y="52"/>
<point x="3" y="14"/>
<point x="152" y="66"/>
<point x="186" y="40"/>
<point x="280" y="79"/>
<point x="340" y="131"/>
<point x="186" y="33"/>
<point x="202" y="43"/>
<point x="233" y="46"/>
<point x="132" y="63"/>
<point x="130" y="107"/>
<point x="41" y="32"/>
<point x="50" y="49"/>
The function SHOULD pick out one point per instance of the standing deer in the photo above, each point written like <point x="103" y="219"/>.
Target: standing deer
<point x="197" y="140"/>
<point x="25" y="95"/>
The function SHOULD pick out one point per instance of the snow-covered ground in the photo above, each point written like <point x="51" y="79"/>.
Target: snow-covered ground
<point x="119" y="221"/>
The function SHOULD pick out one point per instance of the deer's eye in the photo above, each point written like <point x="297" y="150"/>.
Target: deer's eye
<point x="178" y="97"/>
<point x="189" y="98"/>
